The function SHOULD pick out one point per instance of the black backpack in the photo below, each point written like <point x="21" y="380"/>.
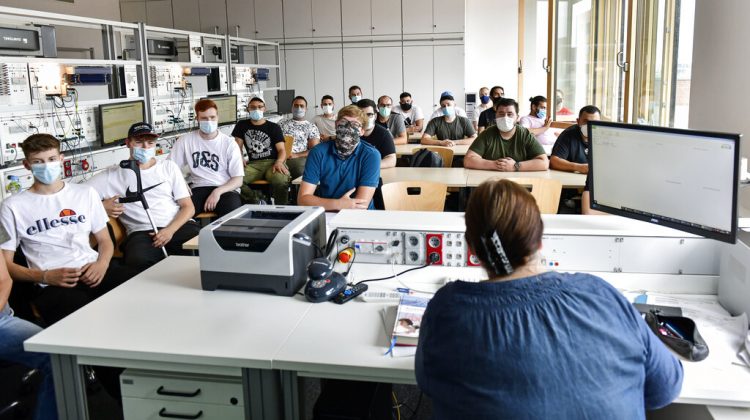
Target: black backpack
<point x="425" y="158"/>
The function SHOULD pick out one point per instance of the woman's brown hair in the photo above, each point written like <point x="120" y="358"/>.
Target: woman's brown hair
<point x="509" y="210"/>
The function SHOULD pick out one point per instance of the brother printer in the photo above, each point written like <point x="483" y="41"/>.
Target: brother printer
<point x="254" y="248"/>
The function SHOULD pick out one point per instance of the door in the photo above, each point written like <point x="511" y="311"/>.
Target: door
<point x="299" y="76"/>
<point x="329" y="74"/>
<point x="269" y="22"/>
<point x="159" y="13"/>
<point x="417" y="16"/>
<point x="326" y="18"/>
<point x="358" y="70"/>
<point x="356" y="17"/>
<point x="213" y="16"/>
<point x="387" y="72"/>
<point x="298" y="19"/>
<point x="386" y="17"/>
<point x="448" y="16"/>
<point x="449" y="72"/>
<point x="240" y="18"/>
<point x="418" y="77"/>
<point x="534" y="61"/>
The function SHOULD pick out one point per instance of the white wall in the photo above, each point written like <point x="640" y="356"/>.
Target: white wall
<point x="719" y="87"/>
<point x="492" y="45"/>
<point x="101" y="9"/>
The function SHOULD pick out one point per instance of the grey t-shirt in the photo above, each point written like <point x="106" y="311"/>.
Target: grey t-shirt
<point x="395" y="124"/>
<point x="458" y="129"/>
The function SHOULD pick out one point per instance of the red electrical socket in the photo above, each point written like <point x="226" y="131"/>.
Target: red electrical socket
<point x="84" y="165"/>
<point x="67" y="168"/>
<point x="434" y="243"/>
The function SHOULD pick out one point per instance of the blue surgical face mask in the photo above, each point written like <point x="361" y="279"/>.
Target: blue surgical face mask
<point x="384" y="111"/>
<point x="449" y="111"/>
<point x="299" y="112"/>
<point x="485" y="99"/>
<point x="46" y="173"/>
<point x="542" y="113"/>
<point x="256" y="115"/>
<point x="208" y="127"/>
<point x="143" y="155"/>
<point x="355" y="98"/>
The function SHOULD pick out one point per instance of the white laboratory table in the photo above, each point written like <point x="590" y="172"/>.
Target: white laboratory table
<point x="163" y="321"/>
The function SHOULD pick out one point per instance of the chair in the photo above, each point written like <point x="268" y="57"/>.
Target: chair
<point x="414" y="196"/>
<point x="545" y="191"/>
<point x="118" y="234"/>
<point x="445" y="152"/>
<point x="205" y="217"/>
<point x="262" y="183"/>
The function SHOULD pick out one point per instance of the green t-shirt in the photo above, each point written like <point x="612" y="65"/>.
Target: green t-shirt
<point x="458" y="129"/>
<point x="522" y="146"/>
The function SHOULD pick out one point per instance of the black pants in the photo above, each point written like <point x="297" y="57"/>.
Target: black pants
<point x="140" y="253"/>
<point x="228" y="202"/>
<point x="55" y="303"/>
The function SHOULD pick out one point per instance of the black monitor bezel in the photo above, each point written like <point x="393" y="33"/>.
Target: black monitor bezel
<point x="730" y="237"/>
<point x="214" y="97"/>
<point x="100" y="121"/>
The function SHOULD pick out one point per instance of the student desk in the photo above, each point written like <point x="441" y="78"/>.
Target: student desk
<point x="407" y="149"/>
<point x="568" y="179"/>
<point x="452" y="177"/>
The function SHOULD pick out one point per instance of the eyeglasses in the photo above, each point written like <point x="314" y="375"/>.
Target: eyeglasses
<point x="385" y="105"/>
<point x="346" y="124"/>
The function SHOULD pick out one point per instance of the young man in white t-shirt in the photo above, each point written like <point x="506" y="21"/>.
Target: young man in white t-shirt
<point x="167" y="195"/>
<point x="215" y="162"/>
<point x="52" y="222"/>
<point x="413" y="116"/>
<point x="305" y="134"/>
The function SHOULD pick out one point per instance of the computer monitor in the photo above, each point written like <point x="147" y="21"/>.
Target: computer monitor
<point x="227" y="105"/>
<point x="683" y="179"/>
<point x="115" y="120"/>
<point x="284" y="99"/>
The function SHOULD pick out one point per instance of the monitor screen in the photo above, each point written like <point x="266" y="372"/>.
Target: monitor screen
<point x="683" y="179"/>
<point x="227" y="105"/>
<point x="284" y="99"/>
<point x="115" y="120"/>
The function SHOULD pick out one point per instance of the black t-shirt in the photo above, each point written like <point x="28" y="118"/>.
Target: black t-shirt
<point x="260" y="140"/>
<point x="487" y="118"/>
<point x="570" y="146"/>
<point x="382" y="139"/>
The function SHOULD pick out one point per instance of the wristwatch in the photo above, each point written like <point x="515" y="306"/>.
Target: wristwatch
<point x="517" y="166"/>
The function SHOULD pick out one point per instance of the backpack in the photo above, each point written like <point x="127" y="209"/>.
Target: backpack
<point x="425" y="158"/>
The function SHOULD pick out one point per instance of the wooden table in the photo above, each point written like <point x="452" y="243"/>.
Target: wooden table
<point x="408" y="149"/>
<point x="568" y="179"/>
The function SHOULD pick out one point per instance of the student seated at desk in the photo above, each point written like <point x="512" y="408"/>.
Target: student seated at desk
<point x="533" y="344"/>
<point x="52" y="222"/>
<point x="377" y="136"/>
<point x="393" y="121"/>
<point x="485" y="103"/>
<point x="506" y="147"/>
<point x="538" y="122"/>
<point x="440" y="112"/>
<point x="487" y="117"/>
<point x="344" y="167"/>
<point x="305" y="135"/>
<point x="571" y="150"/>
<point x="413" y="116"/>
<point x="14" y="331"/>
<point x="326" y="122"/>
<point x="168" y="198"/>
<point x="450" y="129"/>
<point x="215" y="163"/>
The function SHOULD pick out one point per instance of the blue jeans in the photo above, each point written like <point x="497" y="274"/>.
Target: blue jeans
<point x="13" y="332"/>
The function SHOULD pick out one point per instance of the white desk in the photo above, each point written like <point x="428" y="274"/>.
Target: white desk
<point x="567" y="179"/>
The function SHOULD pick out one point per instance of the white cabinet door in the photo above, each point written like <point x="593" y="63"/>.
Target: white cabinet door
<point x="159" y="13"/>
<point x="213" y="16"/>
<point x="417" y="16"/>
<point x="300" y="75"/>
<point x="298" y="19"/>
<point x="269" y="22"/>
<point x="449" y="71"/>
<point x="356" y="17"/>
<point x="329" y="76"/>
<point x="240" y="18"/>
<point x="133" y="11"/>
<point x="448" y="16"/>
<point x="358" y="70"/>
<point x="418" y="77"/>
<point x="326" y="18"/>
<point x="386" y="17"/>
<point x="186" y="15"/>
<point x="387" y="75"/>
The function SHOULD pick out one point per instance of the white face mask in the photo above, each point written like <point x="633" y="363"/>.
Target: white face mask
<point x="370" y="122"/>
<point x="299" y="113"/>
<point x="208" y="127"/>
<point x="328" y="109"/>
<point x="585" y="130"/>
<point x="505" y="124"/>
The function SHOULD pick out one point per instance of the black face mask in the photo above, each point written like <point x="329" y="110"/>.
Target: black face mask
<point x="405" y="107"/>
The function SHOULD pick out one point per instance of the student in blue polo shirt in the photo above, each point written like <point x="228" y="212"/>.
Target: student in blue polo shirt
<point x="346" y="169"/>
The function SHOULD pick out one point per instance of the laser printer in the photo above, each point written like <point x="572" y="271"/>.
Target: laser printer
<point x="253" y="248"/>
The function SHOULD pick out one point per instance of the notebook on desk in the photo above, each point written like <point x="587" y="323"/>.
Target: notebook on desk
<point x="409" y="319"/>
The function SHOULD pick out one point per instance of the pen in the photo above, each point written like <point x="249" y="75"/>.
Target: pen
<point x="673" y="330"/>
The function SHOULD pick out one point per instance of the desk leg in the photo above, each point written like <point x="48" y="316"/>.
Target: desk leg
<point x="261" y="389"/>
<point x="463" y="196"/>
<point x="290" y="389"/>
<point x="70" y="388"/>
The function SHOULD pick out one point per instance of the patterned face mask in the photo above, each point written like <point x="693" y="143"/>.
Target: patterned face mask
<point x="347" y="138"/>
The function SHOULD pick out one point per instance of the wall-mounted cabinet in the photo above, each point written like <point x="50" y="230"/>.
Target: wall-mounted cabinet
<point x="269" y="19"/>
<point x="185" y="15"/>
<point x="241" y="18"/>
<point x="213" y="17"/>
<point x="433" y="16"/>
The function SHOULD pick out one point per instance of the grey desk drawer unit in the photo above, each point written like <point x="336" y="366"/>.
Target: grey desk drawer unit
<point x="155" y="395"/>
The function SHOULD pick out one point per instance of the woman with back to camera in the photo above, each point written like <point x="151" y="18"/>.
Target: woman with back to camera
<point x="530" y="344"/>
